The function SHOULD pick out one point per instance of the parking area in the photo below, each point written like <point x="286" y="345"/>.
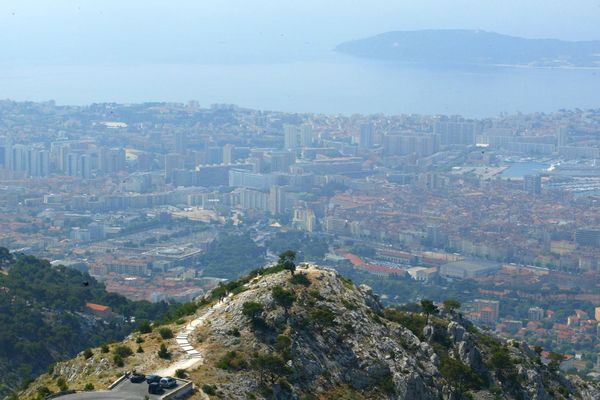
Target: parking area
<point x="126" y="390"/>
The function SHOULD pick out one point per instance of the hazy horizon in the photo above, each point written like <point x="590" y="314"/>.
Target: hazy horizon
<point x="77" y="32"/>
<point x="279" y="55"/>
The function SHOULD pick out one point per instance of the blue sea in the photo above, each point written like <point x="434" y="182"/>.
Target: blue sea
<point x="521" y="169"/>
<point x="331" y="84"/>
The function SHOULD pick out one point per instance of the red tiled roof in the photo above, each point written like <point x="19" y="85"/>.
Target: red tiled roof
<point x="97" y="307"/>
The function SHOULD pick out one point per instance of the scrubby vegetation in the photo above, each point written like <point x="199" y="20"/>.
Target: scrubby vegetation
<point x="231" y="256"/>
<point x="41" y="320"/>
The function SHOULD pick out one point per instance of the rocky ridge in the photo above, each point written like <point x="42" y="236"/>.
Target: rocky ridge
<point x="315" y="335"/>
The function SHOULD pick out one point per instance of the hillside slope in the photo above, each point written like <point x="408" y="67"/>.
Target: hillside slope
<point x="43" y="318"/>
<point x="473" y="47"/>
<point x="315" y="335"/>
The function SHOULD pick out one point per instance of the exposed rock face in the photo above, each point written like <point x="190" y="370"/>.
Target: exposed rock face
<point x="333" y="340"/>
<point x="356" y="349"/>
<point x="466" y="350"/>
<point x="364" y="351"/>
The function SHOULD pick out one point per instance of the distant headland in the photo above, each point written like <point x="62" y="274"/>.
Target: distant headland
<point x="474" y="47"/>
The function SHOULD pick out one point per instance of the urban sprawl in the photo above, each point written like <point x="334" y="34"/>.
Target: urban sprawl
<point x="162" y="201"/>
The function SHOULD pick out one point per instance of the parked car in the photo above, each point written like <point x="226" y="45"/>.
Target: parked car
<point x="168" y="382"/>
<point x="137" y="377"/>
<point x="155" y="388"/>
<point x="153" y="378"/>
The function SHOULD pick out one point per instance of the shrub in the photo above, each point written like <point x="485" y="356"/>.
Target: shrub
<point x="349" y="328"/>
<point x="347" y="282"/>
<point x="286" y="260"/>
<point x="300" y="279"/>
<point x="104" y="348"/>
<point x="428" y="308"/>
<point x="211" y="390"/>
<point x="123" y="351"/>
<point x="271" y="270"/>
<point x="252" y="309"/>
<point x="321" y="317"/>
<point x="459" y="375"/>
<point x="43" y="391"/>
<point x="87" y="353"/>
<point x="139" y="340"/>
<point x="269" y="367"/>
<point x="163" y="352"/>
<point x="386" y="383"/>
<point x="234" y="332"/>
<point x="555" y="360"/>
<point x="62" y="384"/>
<point x="501" y="362"/>
<point x="118" y="360"/>
<point x="283" y="297"/>
<point x="232" y="361"/>
<point x="285" y="384"/>
<point x="139" y="349"/>
<point x="88" y="387"/>
<point x="144" y="327"/>
<point x="349" y="305"/>
<point x="415" y="323"/>
<point x="564" y="391"/>
<point x="166" y="333"/>
<point x="283" y="342"/>
<point x="180" y="373"/>
<point x="316" y="295"/>
<point x="451" y="304"/>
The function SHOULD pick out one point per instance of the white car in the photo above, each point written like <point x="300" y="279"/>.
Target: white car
<point x="168" y="382"/>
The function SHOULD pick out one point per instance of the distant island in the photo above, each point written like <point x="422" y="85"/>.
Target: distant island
<point x="473" y="47"/>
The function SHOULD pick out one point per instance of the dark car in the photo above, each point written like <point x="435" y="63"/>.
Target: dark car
<point x="136" y="377"/>
<point x="155" y="388"/>
<point x="168" y="382"/>
<point x="153" y="378"/>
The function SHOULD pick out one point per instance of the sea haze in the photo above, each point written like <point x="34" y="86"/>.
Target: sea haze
<point x="329" y="84"/>
<point x="280" y="55"/>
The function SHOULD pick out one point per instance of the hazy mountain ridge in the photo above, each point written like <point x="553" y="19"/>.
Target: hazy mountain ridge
<point x="473" y="47"/>
<point x="316" y="335"/>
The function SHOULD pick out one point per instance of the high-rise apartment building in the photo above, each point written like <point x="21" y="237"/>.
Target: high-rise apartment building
<point x="180" y="143"/>
<point x="281" y="161"/>
<point x="535" y="313"/>
<point x="455" y="132"/>
<point x="111" y="161"/>
<point x="297" y="136"/>
<point x="276" y="200"/>
<point x="228" y="154"/>
<point x="366" y="136"/>
<point x="487" y="310"/>
<point x="173" y="161"/>
<point x="532" y="183"/>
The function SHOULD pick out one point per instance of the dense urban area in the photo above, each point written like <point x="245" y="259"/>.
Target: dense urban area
<point x="162" y="201"/>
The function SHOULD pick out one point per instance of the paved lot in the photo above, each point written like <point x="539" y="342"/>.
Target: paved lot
<point x="136" y="391"/>
<point x="123" y="391"/>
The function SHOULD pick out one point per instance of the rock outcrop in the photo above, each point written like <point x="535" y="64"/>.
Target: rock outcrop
<point x="315" y="335"/>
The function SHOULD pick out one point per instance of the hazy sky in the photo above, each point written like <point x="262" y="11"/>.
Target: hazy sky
<point x="140" y="31"/>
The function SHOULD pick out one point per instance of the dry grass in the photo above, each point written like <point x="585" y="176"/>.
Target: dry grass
<point x="101" y="371"/>
<point x="342" y="393"/>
